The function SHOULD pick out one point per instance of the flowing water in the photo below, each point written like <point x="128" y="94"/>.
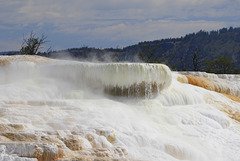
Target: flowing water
<point x="131" y="111"/>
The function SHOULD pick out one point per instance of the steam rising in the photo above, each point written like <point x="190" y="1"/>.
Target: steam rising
<point x="52" y="109"/>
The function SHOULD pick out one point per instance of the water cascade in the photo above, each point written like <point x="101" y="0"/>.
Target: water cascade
<point x="69" y="110"/>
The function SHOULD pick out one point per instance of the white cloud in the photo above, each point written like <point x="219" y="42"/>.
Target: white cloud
<point x="150" y="29"/>
<point x="59" y="11"/>
<point x="134" y="20"/>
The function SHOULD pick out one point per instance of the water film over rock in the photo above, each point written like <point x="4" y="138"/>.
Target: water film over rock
<point x="69" y="110"/>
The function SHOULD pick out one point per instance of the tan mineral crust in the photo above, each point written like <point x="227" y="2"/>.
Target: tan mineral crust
<point x="43" y="116"/>
<point x="49" y="146"/>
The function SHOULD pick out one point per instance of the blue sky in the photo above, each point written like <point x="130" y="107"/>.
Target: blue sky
<point x="110" y="23"/>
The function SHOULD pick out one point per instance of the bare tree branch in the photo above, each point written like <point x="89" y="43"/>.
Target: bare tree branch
<point x="32" y="44"/>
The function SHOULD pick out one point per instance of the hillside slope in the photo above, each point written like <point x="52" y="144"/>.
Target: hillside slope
<point x="214" y="51"/>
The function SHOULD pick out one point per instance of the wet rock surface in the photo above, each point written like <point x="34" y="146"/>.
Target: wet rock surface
<point x="17" y="144"/>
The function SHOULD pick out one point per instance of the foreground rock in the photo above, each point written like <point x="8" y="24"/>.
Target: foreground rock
<point x="48" y="146"/>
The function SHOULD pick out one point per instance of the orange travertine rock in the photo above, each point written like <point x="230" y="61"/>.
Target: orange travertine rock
<point x="201" y="82"/>
<point x="209" y="85"/>
<point x="234" y="98"/>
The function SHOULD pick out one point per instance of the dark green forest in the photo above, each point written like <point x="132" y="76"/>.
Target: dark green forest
<point x="215" y="51"/>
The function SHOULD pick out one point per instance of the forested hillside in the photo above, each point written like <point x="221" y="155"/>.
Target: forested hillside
<point x="205" y="51"/>
<point x="214" y="51"/>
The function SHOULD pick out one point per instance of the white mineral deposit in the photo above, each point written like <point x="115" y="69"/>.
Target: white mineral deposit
<point x="69" y="110"/>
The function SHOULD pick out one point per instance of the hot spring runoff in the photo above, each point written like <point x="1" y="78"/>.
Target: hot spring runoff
<point x="69" y="110"/>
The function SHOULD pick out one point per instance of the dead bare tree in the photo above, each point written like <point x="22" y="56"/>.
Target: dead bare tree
<point x="32" y="44"/>
<point x="196" y="60"/>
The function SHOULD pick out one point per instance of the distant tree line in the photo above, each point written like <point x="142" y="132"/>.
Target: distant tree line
<point x="215" y="51"/>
